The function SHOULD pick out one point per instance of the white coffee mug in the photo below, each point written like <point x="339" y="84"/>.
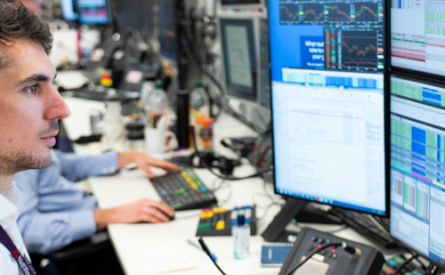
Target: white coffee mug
<point x="156" y="139"/>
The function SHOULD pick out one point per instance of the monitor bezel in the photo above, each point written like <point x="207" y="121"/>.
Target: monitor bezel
<point x="386" y="126"/>
<point x="429" y="81"/>
<point x="260" y="4"/>
<point x="109" y="15"/>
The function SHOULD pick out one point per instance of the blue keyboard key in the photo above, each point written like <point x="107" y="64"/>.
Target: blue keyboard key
<point x="416" y="272"/>
<point x="163" y="191"/>
<point x="391" y="262"/>
<point x="203" y="189"/>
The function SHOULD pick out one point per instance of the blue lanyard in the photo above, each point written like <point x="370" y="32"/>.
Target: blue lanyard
<point x="23" y="262"/>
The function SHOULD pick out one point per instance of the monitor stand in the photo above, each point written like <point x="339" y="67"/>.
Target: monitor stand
<point x="295" y="208"/>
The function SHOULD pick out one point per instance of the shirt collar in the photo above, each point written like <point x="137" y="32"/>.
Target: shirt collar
<point x="9" y="201"/>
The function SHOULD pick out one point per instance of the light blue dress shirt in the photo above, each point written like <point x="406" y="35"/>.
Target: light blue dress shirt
<point x="54" y="212"/>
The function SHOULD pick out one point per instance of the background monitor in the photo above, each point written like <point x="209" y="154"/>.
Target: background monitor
<point x="96" y="12"/>
<point x="239" y="55"/>
<point x="136" y="14"/>
<point x="328" y="107"/>
<point x="168" y="29"/>
<point x="418" y="36"/>
<point x="68" y="10"/>
<point x="418" y="165"/>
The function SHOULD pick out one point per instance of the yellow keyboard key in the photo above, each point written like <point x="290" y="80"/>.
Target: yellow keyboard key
<point x="220" y="225"/>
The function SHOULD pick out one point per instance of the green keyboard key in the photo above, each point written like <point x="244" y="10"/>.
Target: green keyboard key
<point x="179" y="191"/>
<point x="178" y="205"/>
<point x="399" y="260"/>
<point x="204" y="226"/>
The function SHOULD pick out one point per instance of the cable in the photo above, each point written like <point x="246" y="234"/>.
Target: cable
<point x="207" y="251"/>
<point x="310" y="256"/>
<point x="192" y="131"/>
<point x="414" y="256"/>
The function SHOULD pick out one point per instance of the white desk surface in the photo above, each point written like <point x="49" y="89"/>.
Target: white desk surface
<point x="130" y="240"/>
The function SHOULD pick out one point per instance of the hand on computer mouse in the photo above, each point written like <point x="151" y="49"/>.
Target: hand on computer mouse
<point x="143" y="210"/>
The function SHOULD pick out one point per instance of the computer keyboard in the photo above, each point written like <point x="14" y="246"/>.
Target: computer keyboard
<point x="363" y="224"/>
<point x="184" y="190"/>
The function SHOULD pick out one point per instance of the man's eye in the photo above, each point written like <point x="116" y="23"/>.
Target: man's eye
<point x="31" y="89"/>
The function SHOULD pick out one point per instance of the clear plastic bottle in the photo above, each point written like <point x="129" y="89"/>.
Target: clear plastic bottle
<point x="241" y="235"/>
<point x="199" y="103"/>
<point x="114" y="128"/>
<point x="156" y="106"/>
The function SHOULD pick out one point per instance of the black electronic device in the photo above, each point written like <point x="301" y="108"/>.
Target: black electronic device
<point x="334" y="259"/>
<point x="102" y="55"/>
<point x="219" y="221"/>
<point x="184" y="190"/>
<point x="136" y="15"/>
<point x="367" y="226"/>
<point x="133" y="76"/>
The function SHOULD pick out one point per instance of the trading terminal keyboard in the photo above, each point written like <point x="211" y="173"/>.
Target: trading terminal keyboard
<point x="184" y="190"/>
<point x="363" y="224"/>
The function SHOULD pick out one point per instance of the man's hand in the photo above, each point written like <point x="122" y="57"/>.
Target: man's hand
<point x="143" y="210"/>
<point x="144" y="162"/>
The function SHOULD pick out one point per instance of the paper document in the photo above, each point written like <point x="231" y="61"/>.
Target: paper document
<point x="168" y="258"/>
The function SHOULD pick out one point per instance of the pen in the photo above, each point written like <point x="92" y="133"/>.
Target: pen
<point x="195" y="244"/>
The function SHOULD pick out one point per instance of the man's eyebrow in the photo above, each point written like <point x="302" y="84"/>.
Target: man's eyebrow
<point x="33" y="79"/>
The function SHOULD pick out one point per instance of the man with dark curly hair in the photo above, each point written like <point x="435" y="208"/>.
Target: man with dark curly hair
<point x="30" y="108"/>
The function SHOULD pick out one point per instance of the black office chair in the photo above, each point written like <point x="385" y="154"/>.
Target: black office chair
<point x="89" y="254"/>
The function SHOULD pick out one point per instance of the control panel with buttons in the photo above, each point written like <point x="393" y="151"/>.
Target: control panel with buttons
<point x="333" y="260"/>
<point x="219" y="221"/>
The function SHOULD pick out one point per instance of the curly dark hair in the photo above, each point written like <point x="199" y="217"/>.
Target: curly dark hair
<point x="18" y="22"/>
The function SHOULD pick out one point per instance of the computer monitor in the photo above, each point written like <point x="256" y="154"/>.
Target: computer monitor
<point x="245" y="57"/>
<point x="136" y="14"/>
<point x="95" y="12"/>
<point x="328" y="103"/>
<point x="331" y="34"/>
<point x="168" y="37"/>
<point x="68" y="12"/>
<point x="240" y="59"/>
<point x="417" y="36"/>
<point x="418" y="165"/>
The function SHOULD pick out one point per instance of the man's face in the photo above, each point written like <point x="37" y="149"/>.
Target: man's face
<point x="30" y="108"/>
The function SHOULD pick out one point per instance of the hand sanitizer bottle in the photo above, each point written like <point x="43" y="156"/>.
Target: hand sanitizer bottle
<point x="241" y="234"/>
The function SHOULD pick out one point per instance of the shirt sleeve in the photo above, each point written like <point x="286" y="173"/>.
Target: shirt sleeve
<point x="77" y="168"/>
<point x="46" y="232"/>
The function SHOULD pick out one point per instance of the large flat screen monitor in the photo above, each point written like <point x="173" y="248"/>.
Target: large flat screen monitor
<point x="239" y="56"/>
<point x="328" y="132"/>
<point x="328" y="107"/>
<point x="332" y="35"/>
<point x="95" y="12"/>
<point x="418" y="165"/>
<point x="418" y="36"/>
